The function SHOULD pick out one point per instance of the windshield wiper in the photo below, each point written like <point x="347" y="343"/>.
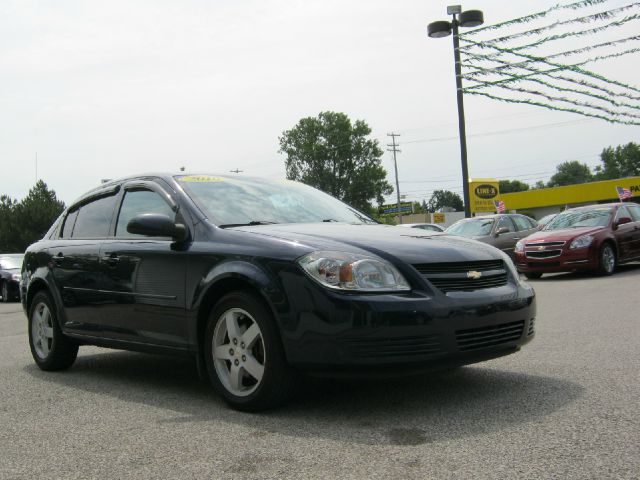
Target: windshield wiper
<point x="248" y="224"/>
<point x="330" y="220"/>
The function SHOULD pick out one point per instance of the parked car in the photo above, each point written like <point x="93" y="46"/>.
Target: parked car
<point x="432" y="227"/>
<point x="10" y="264"/>
<point x="501" y="230"/>
<point x="596" y="237"/>
<point x="260" y="280"/>
<point x="546" y="219"/>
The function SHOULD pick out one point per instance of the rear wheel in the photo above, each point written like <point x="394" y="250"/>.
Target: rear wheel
<point x="533" y="275"/>
<point x="608" y="260"/>
<point x="244" y="357"/>
<point x="51" y="349"/>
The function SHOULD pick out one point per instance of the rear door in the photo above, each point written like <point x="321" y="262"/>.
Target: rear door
<point x="74" y="258"/>
<point x="144" y="278"/>
<point x="524" y="225"/>
<point x="626" y="234"/>
<point x="634" y="210"/>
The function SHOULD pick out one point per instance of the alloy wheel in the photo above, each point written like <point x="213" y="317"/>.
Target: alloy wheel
<point x="42" y="330"/>
<point x="238" y="352"/>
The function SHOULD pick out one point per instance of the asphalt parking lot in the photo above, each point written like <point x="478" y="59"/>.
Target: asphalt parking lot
<point x="566" y="406"/>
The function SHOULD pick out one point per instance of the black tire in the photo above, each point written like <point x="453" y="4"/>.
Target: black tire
<point x="60" y="351"/>
<point x="276" y="381"/>
<point x="607" y="260"/>
<point x="5" y="292"/>
<point x="533" y="275"/>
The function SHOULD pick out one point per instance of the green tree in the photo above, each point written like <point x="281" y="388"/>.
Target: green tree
<point x="508" y="186"/>
<point x="333" y="154"/>
<point x="444" y="198"/>
<point x="24" y="222"/>
<point x="538" y="185"/>
<point x="9" y="241"/>
<point x="623" y="161"/>
<point x="570" y="173"/>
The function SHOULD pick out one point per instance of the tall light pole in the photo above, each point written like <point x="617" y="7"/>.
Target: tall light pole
<point x="443" y="28"/>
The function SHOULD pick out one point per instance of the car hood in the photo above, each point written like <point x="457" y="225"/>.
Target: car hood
<point x="565" y="234"/>
<point x="409" y="245"/>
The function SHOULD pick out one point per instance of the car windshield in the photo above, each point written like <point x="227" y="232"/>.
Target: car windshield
<point x="476" y="227"/>
<point x="231" y="201"/>
<point x="546" y="219"/>
<point x="594" y="217"/>
<point x="14" y="261"/>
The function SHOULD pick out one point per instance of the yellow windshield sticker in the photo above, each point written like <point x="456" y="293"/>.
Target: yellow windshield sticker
<point x="201" y="178"/>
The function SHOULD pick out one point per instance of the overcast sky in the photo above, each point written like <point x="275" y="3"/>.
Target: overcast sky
<point x="108" y="89"/>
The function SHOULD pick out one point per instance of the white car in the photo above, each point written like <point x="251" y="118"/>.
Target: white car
<point x="424" y="226"/>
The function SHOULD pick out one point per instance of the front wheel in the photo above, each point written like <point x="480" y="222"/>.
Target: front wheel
<point x="608" y="260"/>
<point x="51" y="349"/>
<point x="244" y="357"/>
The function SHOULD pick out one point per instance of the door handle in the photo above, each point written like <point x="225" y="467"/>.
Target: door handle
<point x="112" y="259"/>
<point x="58" y="259"/>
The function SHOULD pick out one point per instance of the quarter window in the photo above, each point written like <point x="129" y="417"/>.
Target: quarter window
<point x="69" y="222"/>
<point x="137" y="202"/>
<point x="94" y="218"/>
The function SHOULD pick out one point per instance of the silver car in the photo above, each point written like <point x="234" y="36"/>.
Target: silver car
<point x="502" y="231"/>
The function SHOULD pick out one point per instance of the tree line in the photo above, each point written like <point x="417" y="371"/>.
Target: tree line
<point x="332" y="153"/>
<point x="26" y="221"/>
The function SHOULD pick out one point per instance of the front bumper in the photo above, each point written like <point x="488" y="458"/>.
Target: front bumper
<point x="568" y="261"/>
<point x="337" y="333"/>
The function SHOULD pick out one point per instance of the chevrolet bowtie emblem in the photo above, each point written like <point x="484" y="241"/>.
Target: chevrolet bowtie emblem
<point x="474" y="275"/>
<point x="541" y="247"/>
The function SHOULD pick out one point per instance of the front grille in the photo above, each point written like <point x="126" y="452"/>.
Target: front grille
<point x="491" y="336"/>
<point x="422" y="345"/>
<point x="455" y="276"/>
<point x="459" y="267"/>
<point x="469" y="284"/>
<point x="545" y="244"/>
<point x="543" y="254"/>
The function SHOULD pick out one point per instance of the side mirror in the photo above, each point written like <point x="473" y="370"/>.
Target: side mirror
<point x="501" y="230"/>
<point x="157" y="225"/>
<point x="623" y="220"/>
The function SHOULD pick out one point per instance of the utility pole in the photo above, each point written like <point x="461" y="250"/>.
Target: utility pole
<point x="394" y="149"/>
<point x="236" y="171"/>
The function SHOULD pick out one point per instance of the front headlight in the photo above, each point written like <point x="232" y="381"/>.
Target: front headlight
<point x="16" y="277"/>
<point x="581" y="242"/>
<point x="350" y="271"/>
<point x="519" y="246"/>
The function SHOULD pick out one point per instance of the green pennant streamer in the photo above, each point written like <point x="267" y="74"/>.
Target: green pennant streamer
<point x="528" y="18"/>
<point x="551" y="107"/>
<point x="536" y="31"/>
<point x="577" y="103"/>
<point x="609" y="98"/>
<point x="571" y="67"/>
<point x="551" y="38"/>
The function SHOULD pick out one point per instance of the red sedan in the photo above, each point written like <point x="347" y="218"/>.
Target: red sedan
<point x="597" y="237"/>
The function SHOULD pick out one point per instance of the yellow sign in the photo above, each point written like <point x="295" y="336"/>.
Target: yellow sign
<point x="200" y="178"/>
<point x="438" y="218"/>
<point x="483" y="193"/>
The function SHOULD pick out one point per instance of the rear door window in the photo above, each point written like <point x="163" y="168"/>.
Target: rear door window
<point x="94" y="218"/>
<point x="522" y="223"/>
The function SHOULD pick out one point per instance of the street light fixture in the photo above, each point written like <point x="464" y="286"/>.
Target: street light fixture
<point x="443" y="28"/>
